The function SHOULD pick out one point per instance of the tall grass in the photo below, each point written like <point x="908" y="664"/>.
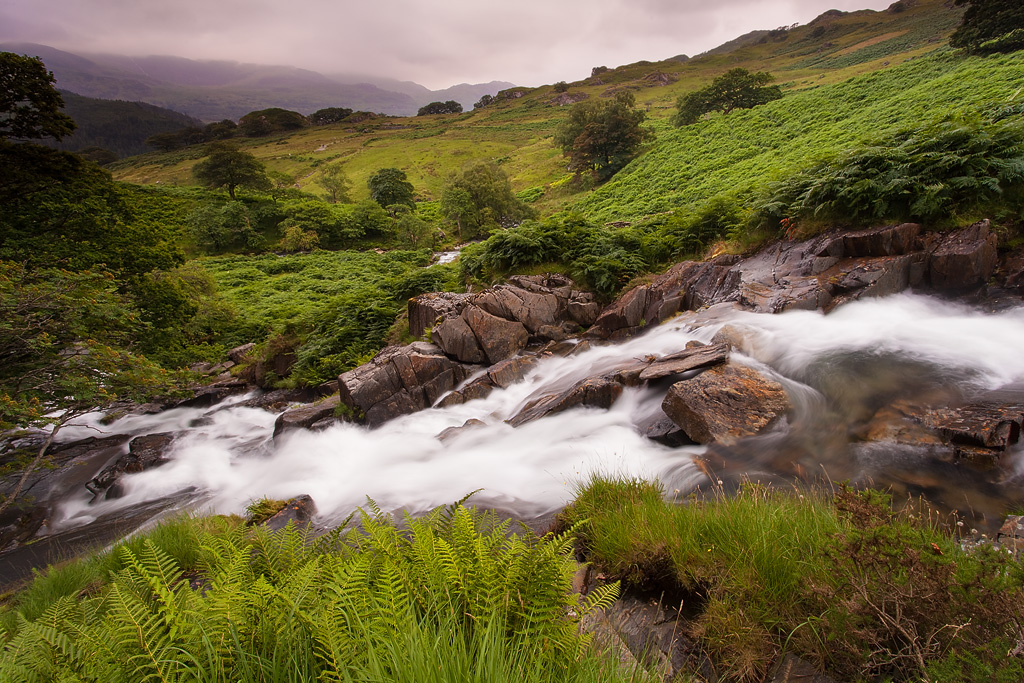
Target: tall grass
<point x="839" y="579"/>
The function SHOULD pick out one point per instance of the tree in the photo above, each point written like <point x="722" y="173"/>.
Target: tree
<point x="389" y="186"/>
<point x="227" y="166"/>
<point x="328" y="115"/>
<point x="30" y="107"/>
<point x="602" y="135"/>
<point x="479" y="198"/>
<point x="735" y="89"/>
<point x="561" y="86"/>
<point x="483" y="101"/>
<point x="449" y="107"/>
<point x="336" y="182"/>
<point x="990" y="26"/>
<point x="65" y="350"/>
<point x="266" y="121"/>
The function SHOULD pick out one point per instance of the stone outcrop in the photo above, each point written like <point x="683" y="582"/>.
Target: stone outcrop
<point x="400" y="380"/>
<point x="306" y="416"/>
<point x="964" y="259"/>
<point x="499" y="322"/>
<point x="725" y="403"/>
<point x="144" y="453"/>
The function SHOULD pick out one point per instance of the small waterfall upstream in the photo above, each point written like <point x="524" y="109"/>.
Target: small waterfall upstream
<point x="837" y="369"/>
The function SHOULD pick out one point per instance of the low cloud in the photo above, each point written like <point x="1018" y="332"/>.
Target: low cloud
<point x="436" y="44"/>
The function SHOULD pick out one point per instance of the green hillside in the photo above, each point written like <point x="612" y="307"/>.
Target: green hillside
<point x="516" y="129"/>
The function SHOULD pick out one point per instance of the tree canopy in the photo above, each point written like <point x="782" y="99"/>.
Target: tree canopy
<point x="327" y="115"/>
<point x="602" y="135"/>
<point x="990" y="26"/>
<point x="227" y="166"/>
<point x="267" y="121"/>
<point x="336" y="182"/>
<point x="449" y="107"/>
<point x="30" y="107"/>
<point x="735" y="89"/>
<point x="389" y="186"/>
<point x="479" y="198"/>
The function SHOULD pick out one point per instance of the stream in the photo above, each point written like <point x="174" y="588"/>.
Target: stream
<point x="838" y="369"/>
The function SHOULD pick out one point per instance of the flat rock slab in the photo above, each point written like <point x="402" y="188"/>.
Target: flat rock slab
<point x="725" y="403"/>
<point x="979" y="425"/>
<point x="690" y="359"/>
<point x="594" y="392"/>
<point x="306" y="416"/>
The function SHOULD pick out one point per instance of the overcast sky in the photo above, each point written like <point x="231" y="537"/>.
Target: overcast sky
<point x="434" y="42"/>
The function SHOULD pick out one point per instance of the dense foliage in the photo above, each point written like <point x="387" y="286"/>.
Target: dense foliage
<point x="390" y="187"/>
<point x="928" y="174"/>
<point x="479" y="199"/>
<point x="267" y="121"/>
<point x="990" y="26"/>
<point x="603" y="135"/>
<point x="30" y="107"/>
<point x="455" y="597"/>
<point x="121" y="127"/>
<point x="735" y="89"/>
<point x="448" y="107"/>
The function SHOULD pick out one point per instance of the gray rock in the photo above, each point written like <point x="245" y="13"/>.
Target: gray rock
<point x="306" y="416"/>
<point x="298" y="511"/>
<point x="594" y="392"/>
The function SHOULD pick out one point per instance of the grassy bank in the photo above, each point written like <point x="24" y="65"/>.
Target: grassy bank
<point x="837" y="578"/>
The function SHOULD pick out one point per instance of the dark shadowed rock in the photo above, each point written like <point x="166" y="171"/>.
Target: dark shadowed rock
<point x="660" y="427"/>
<point x="964" y="259"/>
<point x="299" y="511"/>
<point x="306" y="416"/>
<point x="725" y="403"/>
<point x="987" y="426"/>
<point x="594" y="392"/>
<point x="206" y="396"/>
<point x="144" y="452"/>
<point x="890" y="240"/>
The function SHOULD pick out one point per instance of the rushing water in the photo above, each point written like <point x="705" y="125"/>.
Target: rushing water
<point x="837" y="368"/>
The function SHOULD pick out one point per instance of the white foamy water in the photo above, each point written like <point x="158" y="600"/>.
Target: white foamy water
<point x="231" y="459"/>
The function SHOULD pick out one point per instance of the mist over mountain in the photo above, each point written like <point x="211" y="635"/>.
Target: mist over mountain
<point x="215" y="90"/>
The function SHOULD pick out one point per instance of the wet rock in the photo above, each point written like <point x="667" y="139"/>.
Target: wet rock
<point x="68" y="467"/>
<point x="144" y="453"/>
<point x="593" y="392"/>
<point x="18" y="525"/>
<point x="208" y="395"/>
<point x="278" y="400"/>
<point x="660" y="427"/>
<point x="979" y="425"/>
<point x="400" y="380"/>
<point x="298" y="511"/>
<point x="655" y="635"/>
<point x="691" y="358"/>
<point x="306" y="416"/>
<point x="426" y="310"/>
<point x="791" y="293"/>
<point x="451" y="432"/>
<point x="964" y="259"/>
<point x="725" y="403"/>
<point x="499" y="338"/>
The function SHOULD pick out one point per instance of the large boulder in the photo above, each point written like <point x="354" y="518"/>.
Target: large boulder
<point x="499" y="338"/>
<point x="298" y="511"/>
<point x="426" y="310"/>
<point x="400" y="380"/>
<point x="725" y="403"/>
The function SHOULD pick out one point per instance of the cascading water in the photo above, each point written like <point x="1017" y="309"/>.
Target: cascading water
<point x="837" y="369"/>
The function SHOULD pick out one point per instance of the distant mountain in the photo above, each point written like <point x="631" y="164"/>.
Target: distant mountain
<point x="215" y="90"/>
<point x="122" y="127"/>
